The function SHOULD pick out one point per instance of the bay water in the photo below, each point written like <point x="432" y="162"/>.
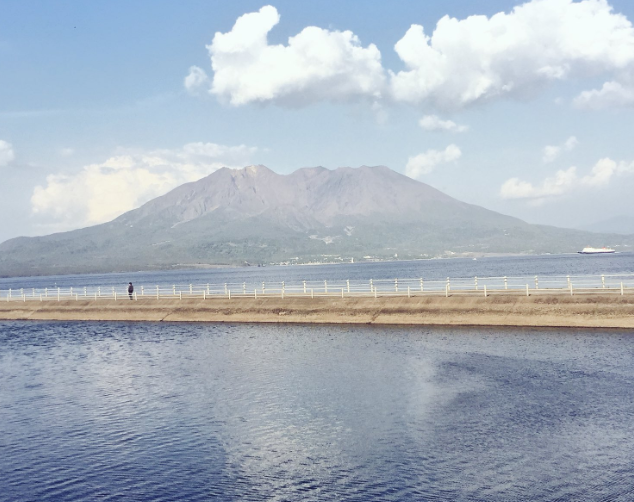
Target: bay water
<point x="160" y="411"/>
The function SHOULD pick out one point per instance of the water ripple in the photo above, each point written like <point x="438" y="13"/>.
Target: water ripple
<point x="142" y="411"/>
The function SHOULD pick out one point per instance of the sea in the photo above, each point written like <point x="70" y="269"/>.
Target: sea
<point x="138" y="411"/>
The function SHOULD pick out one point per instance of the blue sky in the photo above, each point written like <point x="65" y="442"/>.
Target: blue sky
<point x="526" y="109"/>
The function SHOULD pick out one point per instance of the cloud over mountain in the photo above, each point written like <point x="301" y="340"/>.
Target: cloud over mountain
<point x="566" y="181"/>
<point x="479" y="58"/>
<point x="316" y="64"/>
<point x="462" y="61"/>
<point x="101" y="191"/>
<point x="425" y="163"/>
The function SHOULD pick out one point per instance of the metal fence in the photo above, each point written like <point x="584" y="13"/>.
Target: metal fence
<point x="483" y="286"/>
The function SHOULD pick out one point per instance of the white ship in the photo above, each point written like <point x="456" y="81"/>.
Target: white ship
<point x="596" y="251"/>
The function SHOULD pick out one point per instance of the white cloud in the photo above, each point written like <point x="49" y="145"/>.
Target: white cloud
<point x="604" y="170"/>
<point x="552" y="152"/>
<point x="559" y="184"/>
<point x="315" y="65"/>
<point x="197" y="81"/>
<point x="611" y="95"/>
<point x="463" y="61"/>
<point x="479" y="58"/>
<point x="100" y="192"/>
<point x="425" y="163"/>
<point x="6" y="153"/>
<point x="566" y="181"/>
<point x="435" y="123"/>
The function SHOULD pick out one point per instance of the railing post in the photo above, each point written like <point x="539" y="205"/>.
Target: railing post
<point x="263" y="288"/>
<point x="9" y="297"/>
<point x="142" y="291"/>
<point x="283" y="288"/>
<point x="99" y="290"/>
<point x="448" y="285"/>
<point x="485" y="290"/>
<point x="571" y="289"/>
<point x="527" y="290"/>
<point x="135" y="297"/>
<point x="58" y="291"/>
<point x="447" y="290"/>
<point x="244" y="288"/>
<point x="421" y="284"/>
<point x="341" y="292"/>
<point x="157" y="292"/>
<point x="191" y="289"/>
<point x="476" y="282"/>
<point x="226" y="288"/>
<point x="304" y="282"/>
<point x="180" y="295"/>
<point x="85" y="291"/>
<point x="229" y="294"/>
<point x="536" y="283"/>
<point x="174" y="289"/>
<point x="506" y="284"/>
<point x="204" y="294"/>
<point x="45" y="292"/>
<point x="114" y="293"/>
<point x="603" y="281"/>
<point x="325" y="286"/>
<point x="408" y="294"/>
<point x="568" y="279"/>
<point x="396" y="285"/>
<point x="348" y="284"/>
<point x="207" y="288"/>
<point x="312" y="293"/>
<point x="371" y="285"/>
<point x="374" y="292"/>
<point x="621" y="288"/>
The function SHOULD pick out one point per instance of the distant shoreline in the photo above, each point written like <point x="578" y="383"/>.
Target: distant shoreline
<point x="583" y="311"/>
<point x="190" y="267"/>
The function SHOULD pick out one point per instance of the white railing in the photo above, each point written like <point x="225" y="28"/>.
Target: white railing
<point x="573" y="285"/>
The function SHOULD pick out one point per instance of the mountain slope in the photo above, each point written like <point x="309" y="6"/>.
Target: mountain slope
<point x="257" y="216"/>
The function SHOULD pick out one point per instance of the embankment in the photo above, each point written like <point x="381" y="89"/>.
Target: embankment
<point x="553" y="311"/>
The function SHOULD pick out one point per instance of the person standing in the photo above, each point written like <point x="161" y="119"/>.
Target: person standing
<point x="130" y="290"/>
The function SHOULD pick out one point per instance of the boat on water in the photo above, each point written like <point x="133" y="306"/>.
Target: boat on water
<point x="603" y="250"/>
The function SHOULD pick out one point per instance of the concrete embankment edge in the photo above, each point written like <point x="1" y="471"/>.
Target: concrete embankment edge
<point x="592" y="311"/>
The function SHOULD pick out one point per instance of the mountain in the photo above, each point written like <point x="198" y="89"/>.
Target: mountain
<point x="256" y="216"/>
<point x="617" y="225"/>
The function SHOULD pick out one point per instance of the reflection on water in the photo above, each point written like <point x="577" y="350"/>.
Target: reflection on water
<point x="142" y="411"/>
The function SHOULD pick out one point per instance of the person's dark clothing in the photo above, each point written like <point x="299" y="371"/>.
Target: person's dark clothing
<point x="130" y="290"/>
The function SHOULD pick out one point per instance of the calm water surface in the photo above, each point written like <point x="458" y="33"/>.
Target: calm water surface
<point x="512" y="266"/>
<point x="157" y="411"/>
